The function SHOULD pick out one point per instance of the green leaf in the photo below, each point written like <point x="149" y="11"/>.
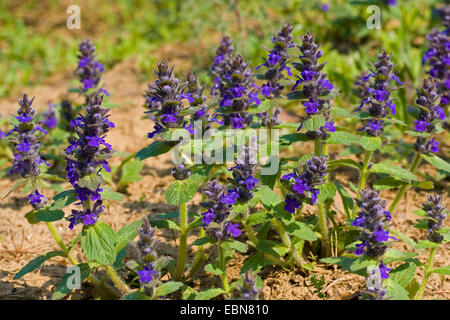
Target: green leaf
<point x="168" y="288"/>
<point x="388" y="183"/>
<point x="342" y="137"/>
<point x="333" y="164"/>
<point x="396" y="291"/>
<point x="362" y="263"/>
<point x="130" y="173"/>
<point x="155" y="149"/>
<point x="289" y="139"/>
<point x="296" y="95"/>
<point x="92" y="181"/>
<point x="203" y="241"/>
<point x="267" y="196"/>
<point x="164" y="224"/>
<point x="444" y="270"/>
<point x="412" y="288"/>
<point x="392" y="255"/>
<point x="48" y="215"/>
<point x="370" y="143"/>
<point x="127" y="234"/>
<point x="439" y="163"/>
<point x="209" y="294"/>
<point x="272" y="248"/>
<point x="180" y="192"/>
<point x="99" y="242"/>
<point x="427" y="185"/>
<point x="347" y="199"/>
<point x="301" y="231"/>
<point x="404" y="238"/>
<point x="63" y="199"/>
<point x="258" y="217"/>
<point x="403" y="274"/>
<point x="214" y="269"/>
<point x="327" y="191"/>
<point x="62" y="290"/>
<point x="393" y="170"/>
<point x="108" y="194"/>
<point x="236" y="245"/>
<point x="36" y="263"/>
<point x="135" y="296"/>
<point x="426" y="244"/>
<point x="51" y="177"/>
<point x="263" y="107"/>
<point x="255" y="263"/>
<point x="313" y="122"/>
<point x="345" y="262"/>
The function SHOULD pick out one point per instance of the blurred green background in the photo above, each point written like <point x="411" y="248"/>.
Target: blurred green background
<point x="35" y="43"/>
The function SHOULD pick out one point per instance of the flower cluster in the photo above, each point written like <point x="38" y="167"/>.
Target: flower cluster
<point x="244" y="171"/>
<point x="50" y="118"/>
<point x="89" y="70"/>
<point x="275" y="64"/>
<point x="217" y="220"/>
<point x="377" y="93"/>
<point x="429" y="112"/>
<point x="27" y="158"/>
<point x="181" y="172"/>
<point x="436" y="213"/>
<point x="163" y="99"/>
<point x="87" y="154"/>
<point x="194" y="94"/>
<point x="438" y="56"/>
<point x="299" y="184"/>
<point x="315" y="85"/>
<point x="373" y="222"/>
<point x="248" y="290"/>
<point x="374" y="282"/>
<point x="221" y="65"/>
<point x="151" y="263"/>
<point x="237" y="93"/>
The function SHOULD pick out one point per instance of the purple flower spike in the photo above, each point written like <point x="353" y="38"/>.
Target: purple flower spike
<point x="89" y="70"/>
<point x="300" y="184"/>
<point x="87" y="155"/>
<point x="218" y="208"/>
<point x="373" y="223"/>
<point x="314" y="85"/>
<point x="26" y="137"/>
<point x="430" y="113"/>
<point x="436" y="212"/>
<point x="375" y="89"/>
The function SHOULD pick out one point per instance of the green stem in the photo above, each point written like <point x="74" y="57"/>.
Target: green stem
<point x="323" y="223"/>
<point x="183" y="239"/>
<point x="282" y="232"/>
<point x="404" y="187"/>
<point x="363" y="177"/>
<point x="427" y="274"/>
<point x="224" y="273"/>
<point x="116" y="279"/>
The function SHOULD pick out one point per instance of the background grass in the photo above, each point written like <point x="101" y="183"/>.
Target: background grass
<point x="35" y="43"/>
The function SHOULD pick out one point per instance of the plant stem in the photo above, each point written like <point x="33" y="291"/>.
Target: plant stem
<point x="362" y="179"/>
<point x="404" y="187"/>
<point x="224" y="273"/>
<point x="427" y="274"/>
<point x="363" y="176"/>
<point x="116" y="279"/>
<point x="323" y="223"/>
<point x="183" y="238"/>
